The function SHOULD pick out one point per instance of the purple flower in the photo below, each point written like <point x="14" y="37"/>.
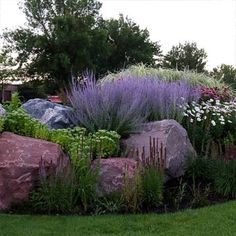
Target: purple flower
<point x="123" y="104"/>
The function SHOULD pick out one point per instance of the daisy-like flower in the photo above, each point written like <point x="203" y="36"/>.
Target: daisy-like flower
<point x="213" y="123"/>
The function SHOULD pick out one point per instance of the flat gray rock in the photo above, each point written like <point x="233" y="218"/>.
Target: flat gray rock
<point x="54" y="115"/>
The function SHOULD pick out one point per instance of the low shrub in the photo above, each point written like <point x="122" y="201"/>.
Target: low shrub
<point x="73" y="141"/>
<point x="14" y="103"/>
<point x="67" y="190"/>
<point x="1" y="124"/>
<point x="152" y="185"/>
<point x="201" y="169"/>
<point x="225" y="178"/>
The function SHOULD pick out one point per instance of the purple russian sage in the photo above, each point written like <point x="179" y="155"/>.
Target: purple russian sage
<point x="123" y="104"/>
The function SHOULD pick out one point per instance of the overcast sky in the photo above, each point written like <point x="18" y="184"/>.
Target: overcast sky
<point x="210" y="23"/>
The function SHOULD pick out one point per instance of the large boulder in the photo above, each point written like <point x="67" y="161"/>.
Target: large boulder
<point x="2" y="111"/>
<point x="112" y="173"/>
<point x="19" y="165"/>
<point x="169" y="134"/>
<point x="54" y="115"/>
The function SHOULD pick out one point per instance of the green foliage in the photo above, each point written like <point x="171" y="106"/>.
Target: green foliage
<point x="74" y="141"/>
<point x="33" y="89"/>
<point x="220" y="174"/>
<point x="145" y="191"/>
<point x="225" y="178"/>
<point x="201" y="169"/>
<point x="185" y="56"/>
<point x="69" y="190"/>
<point x="106" y="142"/>
<point x="209" y="122"/>
<point x="14" y="104"/>
<point x="127" y="44"/>
<point x="180" y="194"/>
<point x="152" y="184"/>
<point x="65" y="38"/>
<point x="199" y="194"/>
<point x="166" y="74"/>
<point x="7" y="72"/>
<point x="133" y="193"/>
<point x="1" y="124"/>
<point x="226" y="73"/>
<point x="113" y="203"/>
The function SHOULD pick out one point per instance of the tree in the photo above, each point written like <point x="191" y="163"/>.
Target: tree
<point x="185" y="56"/>
<point x="226" y="73"/>
<point x="64" y="38"/>
<point x="6" y="73"/>
<point x="57" y="39"/>
<point x="127" y="44"/>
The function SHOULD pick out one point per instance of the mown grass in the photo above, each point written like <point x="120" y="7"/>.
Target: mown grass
<point x="214" y="220"/>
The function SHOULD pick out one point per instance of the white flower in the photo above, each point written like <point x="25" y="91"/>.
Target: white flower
<point x="213" y="123"/>
<point x="191" y="120"/>
<point x="198" y="119"/>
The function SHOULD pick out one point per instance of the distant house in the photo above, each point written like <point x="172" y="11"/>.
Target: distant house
<point x="8" y="90"/>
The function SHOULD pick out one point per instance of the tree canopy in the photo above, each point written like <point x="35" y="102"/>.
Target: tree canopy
<point x="64" y="38"/>
<point x="226" y="73"/>
<point x="185" y="56"/>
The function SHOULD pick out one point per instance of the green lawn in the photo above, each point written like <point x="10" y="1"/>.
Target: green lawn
<point x="215" y="220"/>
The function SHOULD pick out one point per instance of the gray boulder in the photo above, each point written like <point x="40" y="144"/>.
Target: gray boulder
<point x="2" y="111"/>
<point x="169" y="135"/>
<point x="54" y="115"/>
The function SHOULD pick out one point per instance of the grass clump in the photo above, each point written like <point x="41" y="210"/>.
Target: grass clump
<point x="197" y="79"/>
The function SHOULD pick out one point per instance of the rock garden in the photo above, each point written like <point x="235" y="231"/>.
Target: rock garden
<point x="158" y="141"/>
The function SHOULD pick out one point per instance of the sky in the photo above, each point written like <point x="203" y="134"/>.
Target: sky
<point x="210" y="23"/>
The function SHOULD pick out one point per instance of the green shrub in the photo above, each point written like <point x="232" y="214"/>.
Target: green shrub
<point x="133" y="193"/>
<point x="75" y="142"/>
<point x="201" y="169"/>
<point x="68" y="190"/>
<point x="14" y="104"/>
<point x="1" y="124"/>
<point x="152" y="184"/>
<point x="225" y="178"/>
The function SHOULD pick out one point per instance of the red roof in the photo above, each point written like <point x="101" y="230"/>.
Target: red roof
<point x="55" y="99"/>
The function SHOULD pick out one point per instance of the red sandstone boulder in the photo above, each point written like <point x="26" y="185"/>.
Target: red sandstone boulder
<point x="112" y="172"/>
<point x="19" y="165"/>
